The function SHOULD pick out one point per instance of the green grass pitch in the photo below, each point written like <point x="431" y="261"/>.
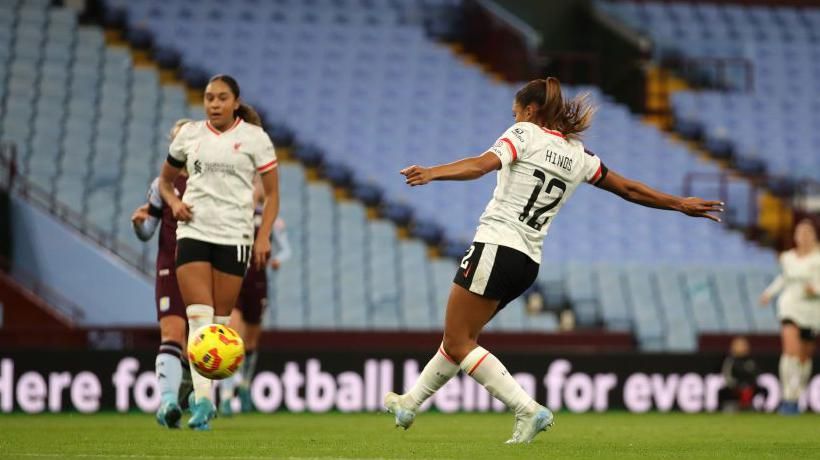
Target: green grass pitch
<point x="469" y="436"/>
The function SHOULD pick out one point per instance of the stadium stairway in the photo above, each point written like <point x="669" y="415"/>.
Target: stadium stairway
<point x="769" y="78"/>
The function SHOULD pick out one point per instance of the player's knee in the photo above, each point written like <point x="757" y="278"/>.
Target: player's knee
<point x="458" y="348"/>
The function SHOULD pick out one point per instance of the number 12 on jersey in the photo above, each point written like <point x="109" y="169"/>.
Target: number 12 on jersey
<point x="553" y="183"/>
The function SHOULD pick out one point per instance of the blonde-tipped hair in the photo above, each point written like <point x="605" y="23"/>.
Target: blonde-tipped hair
<point x="177" y="126"/>
<point x="569" y="117"/>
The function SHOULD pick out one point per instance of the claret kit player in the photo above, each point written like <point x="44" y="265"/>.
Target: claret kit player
<point x="170" y="361"/>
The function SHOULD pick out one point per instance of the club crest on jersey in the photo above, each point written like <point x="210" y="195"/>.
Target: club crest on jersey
<point x="236" y="146"/>
<point x="197" y="167"/>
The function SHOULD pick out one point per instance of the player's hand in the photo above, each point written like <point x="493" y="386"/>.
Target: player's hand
<point x="261" y="253"/>
<point x="417" y="175"/>
<point x="182" y="211"/>
<point x="140" y="215"/>
<point x="764" y="300"/>
<point x="697" y="207"/>
<point x="275" y="264"/>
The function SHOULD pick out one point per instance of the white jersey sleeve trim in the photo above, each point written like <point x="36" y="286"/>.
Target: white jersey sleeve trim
<point x="268" y="167"/>
<point x="512" y="145"/>
<point x="177" y="149"/>
<point x="154" y="197"/>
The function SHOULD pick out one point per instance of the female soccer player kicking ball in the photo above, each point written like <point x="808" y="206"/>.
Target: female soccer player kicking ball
<point x="222" y="154"/>
<point x="799" y="312"/>
<point x="540" y="161"/>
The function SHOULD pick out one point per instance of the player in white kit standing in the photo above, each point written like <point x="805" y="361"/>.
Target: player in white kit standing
<point x="799" y="312"/>
<point x="540" y="162"/>
<point x="215" y="233"/>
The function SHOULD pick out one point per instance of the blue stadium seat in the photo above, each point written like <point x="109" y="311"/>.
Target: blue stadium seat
<point x="93" y="127"/>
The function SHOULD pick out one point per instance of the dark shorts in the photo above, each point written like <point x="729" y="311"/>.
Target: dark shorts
<point x="807" y="334"/>
<point x="253" y="298"/>
<point x="166" y="293"/>
<point x="233" y="260"/>
<point x="496" y="272"/>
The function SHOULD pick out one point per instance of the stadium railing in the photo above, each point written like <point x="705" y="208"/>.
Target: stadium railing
<point x="15" y="182"/>
<point x="713" y="72"/>
<point x="63" y="309"/>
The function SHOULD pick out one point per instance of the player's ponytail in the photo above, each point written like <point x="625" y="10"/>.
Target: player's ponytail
<point x="570" y="118"/>
<point x="249" y="114"/>
<point x="245" y="111"/>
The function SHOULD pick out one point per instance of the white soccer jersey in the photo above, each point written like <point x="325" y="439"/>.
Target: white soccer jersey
<point x="794" y="303"/>
<point x="540" y="171"/>
<point x="221" y="167"/>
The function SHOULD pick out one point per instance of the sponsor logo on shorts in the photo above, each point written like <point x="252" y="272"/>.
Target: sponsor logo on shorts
<point x="164" y="272"/>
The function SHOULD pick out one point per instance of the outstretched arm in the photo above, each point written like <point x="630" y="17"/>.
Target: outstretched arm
<point x="466" y="169"/>
<point x="644" y="195"/>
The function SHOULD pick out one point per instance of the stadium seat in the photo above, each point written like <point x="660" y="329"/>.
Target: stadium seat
<point x="780" y="45"/>
<point x="93" y="132"/>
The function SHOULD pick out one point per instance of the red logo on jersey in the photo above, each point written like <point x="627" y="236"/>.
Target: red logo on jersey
<point x="236" y="146"/>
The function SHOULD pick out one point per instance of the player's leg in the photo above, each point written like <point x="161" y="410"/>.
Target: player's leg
<point x="248" y="369"/>
<point x="226" y="291"/>
<point x="460" y="343"/>
<point x="466" y="314"/>
<point x="229" y="265"/>
<point x="168" y="368"/>
<point x="236" y="322"/>
<point x="807" y="337"/>
<point x="253" y="307"/>
<point x="196" y="287"/>
<point x="227" y="387"/>
<point x="441" y="367"/>
<point x="790" y="366"/>
<point x="507" y="274"/>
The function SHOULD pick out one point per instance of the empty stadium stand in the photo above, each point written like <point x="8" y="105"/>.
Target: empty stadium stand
<point x="774" y="122"/>
<point x="91" y="126"/>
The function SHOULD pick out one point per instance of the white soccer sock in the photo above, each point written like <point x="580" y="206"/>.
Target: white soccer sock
<point x="487" y="370"/>
<point x="199" y="315"/>
<point x="438" y="371"/>
<point x="227" y="386"/>
<point x="168" y="368"/>
<point x="805" y="374"/>
<point x="790" y="377"/>
<point x="223" y="320"/>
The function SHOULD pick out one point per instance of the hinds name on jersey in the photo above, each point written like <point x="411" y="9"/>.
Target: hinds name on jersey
<point x="559" y="160"/>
